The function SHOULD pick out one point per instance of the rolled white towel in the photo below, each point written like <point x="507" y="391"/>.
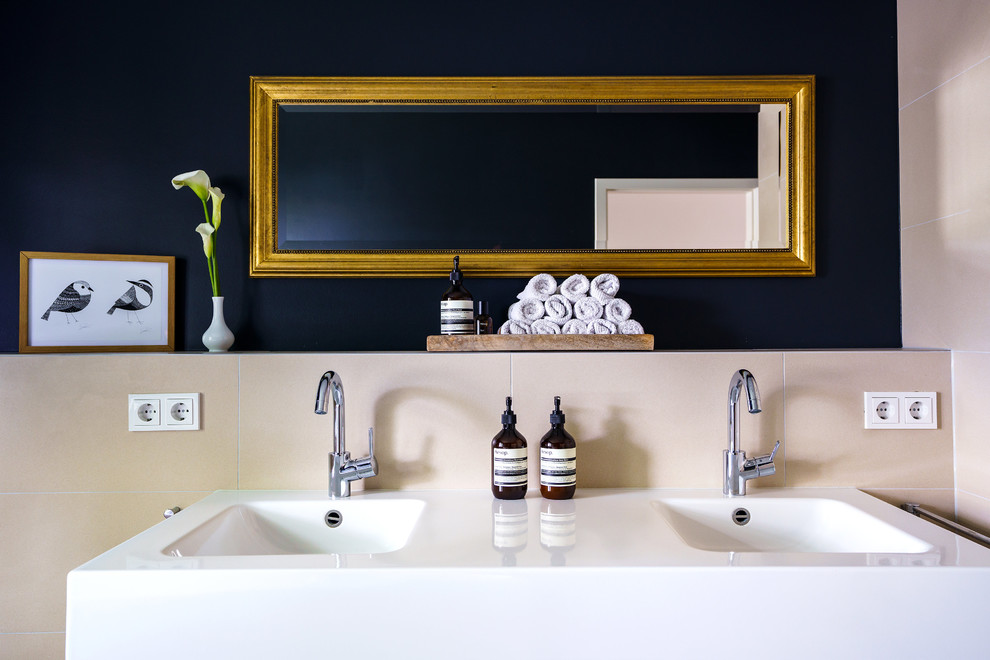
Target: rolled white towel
<point x="527" y="309"/>
<point x="575" y="287"/>
<point x="574" y="327"/>
<point x="602" y="327"/>
<point x="515" y="327"/>
<point x="604" y="287"/>
<point x="630" y="327"/>
<point x="617" y="310"/>
<point x="544" y="327"/>
<point x="559" y="309"/>
<point x="587" y="309"/>
<point x="540" y="286"/>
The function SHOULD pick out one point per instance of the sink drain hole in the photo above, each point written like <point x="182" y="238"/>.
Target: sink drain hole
<point x="740" y="516"/>
<point x="333" y="518"/>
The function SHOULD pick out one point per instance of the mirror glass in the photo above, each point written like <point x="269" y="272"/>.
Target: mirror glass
<point x="366" y="177"/>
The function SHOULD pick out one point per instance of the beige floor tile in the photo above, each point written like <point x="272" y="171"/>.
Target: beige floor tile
<point x="434" y="417"/>
<point x="824" y="412"/>
<point x="47" y="535"/>
<point x="65" y="423"/>
<point x="648" y="419"/>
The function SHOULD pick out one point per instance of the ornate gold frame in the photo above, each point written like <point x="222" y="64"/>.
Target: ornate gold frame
<point x="796" y="93"/>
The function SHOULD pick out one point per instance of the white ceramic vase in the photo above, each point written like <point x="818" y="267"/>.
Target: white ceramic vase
<point x="218" y="337"/>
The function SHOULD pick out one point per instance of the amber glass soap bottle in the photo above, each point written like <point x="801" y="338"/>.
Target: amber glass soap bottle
<point x="558" y="459"/>
<point x="509" y="465"/>
<point x="456" y="306"/>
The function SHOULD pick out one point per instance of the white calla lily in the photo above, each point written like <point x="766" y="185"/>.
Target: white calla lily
<point x="216" y="197"/>
<point x="197" y="181"/>
<point x="206" y="230"/>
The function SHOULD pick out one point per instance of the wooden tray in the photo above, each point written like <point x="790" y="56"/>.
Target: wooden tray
<point x="451" y="343"/>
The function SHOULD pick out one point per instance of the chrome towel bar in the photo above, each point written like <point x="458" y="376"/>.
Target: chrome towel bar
<point x="965" y="532"/>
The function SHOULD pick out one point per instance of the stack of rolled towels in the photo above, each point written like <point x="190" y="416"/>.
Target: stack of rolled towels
<point x="576" y="307"/>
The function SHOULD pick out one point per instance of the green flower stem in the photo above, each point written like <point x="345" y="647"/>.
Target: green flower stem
<point x="211" y="261"/>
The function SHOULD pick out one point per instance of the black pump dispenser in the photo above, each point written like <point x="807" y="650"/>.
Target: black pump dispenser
<point x="556" y="416"/>
<point x="509" y="459"/>
<point x="508" y="417"/>
<point x="456" y="277"/>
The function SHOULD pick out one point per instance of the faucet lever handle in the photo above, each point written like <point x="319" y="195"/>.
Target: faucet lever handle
<point x="371" y="442"/>
<point x="763" y="460"/>
<point x="774" y="452"/>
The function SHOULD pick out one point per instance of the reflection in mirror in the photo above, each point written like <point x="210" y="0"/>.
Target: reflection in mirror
<point x="387" y="177"/>
<point x="678" y="214"/>
<point x="431" y="177"/>
<point x="700" y="214"/>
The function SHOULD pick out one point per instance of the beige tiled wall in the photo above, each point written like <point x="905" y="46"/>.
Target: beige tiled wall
<point x="944" y="83"/>
<point x="74" y="482"/>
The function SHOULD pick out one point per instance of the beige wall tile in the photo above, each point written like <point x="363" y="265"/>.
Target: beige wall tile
<point x="971" y="374"/>
<point x="937" y="500"/>
<point x="65" y="423"/>
<point x="434" y="417"/>
<point x="827" y="444"/>
<point x="973" y="512"/>
<point x="938" y="40"/>
<point x="943" y="163"/>
<point x="648" y="419"/>
<point x="35" y="646"/>
<point x="946" y="282"/>
<point x="47" y="535"/>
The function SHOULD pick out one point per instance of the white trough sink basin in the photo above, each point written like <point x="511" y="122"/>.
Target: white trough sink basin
<point x="784" y="524"/>
<point x="300" y="527"/>
<point x="635" y="573"/>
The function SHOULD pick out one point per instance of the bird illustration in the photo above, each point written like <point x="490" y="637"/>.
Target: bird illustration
<point x="73" y="298"/>
<point x="135" y="298"/>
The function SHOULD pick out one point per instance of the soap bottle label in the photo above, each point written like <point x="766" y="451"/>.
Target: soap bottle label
<point x="558" y="467"/>
<point x="456" y="317"/>
<point x="510" y="467"/>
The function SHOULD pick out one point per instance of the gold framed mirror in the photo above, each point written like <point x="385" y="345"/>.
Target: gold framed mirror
<point x="296" y="236"/>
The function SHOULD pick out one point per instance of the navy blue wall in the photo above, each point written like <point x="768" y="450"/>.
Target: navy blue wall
<point x="105" y="102"/>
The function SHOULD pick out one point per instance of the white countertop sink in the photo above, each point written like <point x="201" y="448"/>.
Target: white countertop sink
<point x="279" y="526"/>
<point x="610" y="574"/>
<point x="784" y="525"/>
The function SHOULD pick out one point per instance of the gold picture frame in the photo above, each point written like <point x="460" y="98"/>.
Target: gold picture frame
<point x="85" y="303"/>
<point x="795" y="93"/>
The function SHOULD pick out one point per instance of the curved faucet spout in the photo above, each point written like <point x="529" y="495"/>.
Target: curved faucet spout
<point x="331" y="385"/>
<point x="742" y="380"/>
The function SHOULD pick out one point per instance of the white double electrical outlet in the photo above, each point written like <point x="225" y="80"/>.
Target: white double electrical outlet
<point x="163" y="412"/>
<point x="901" y="410"/>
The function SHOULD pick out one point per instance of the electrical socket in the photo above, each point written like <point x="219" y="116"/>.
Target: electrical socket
<point x="181" y="411"/>
<point x="143" y="413"/>
<point x="163" y="412"/>
<point x="921" y="410"/>
<point x="900" y="410"/>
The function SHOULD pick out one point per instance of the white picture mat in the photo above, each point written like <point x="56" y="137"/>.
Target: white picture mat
<point x="93" y="326"/>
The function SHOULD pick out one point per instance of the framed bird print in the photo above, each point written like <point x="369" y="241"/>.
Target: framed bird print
<point x="73" y="303"/>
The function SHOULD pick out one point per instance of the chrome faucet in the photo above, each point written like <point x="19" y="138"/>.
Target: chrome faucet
<point x="343" y="470"/>
<point x="739" y="470"/>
